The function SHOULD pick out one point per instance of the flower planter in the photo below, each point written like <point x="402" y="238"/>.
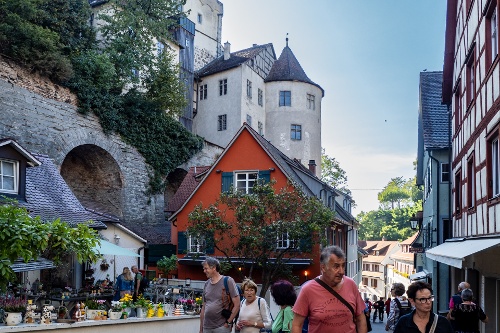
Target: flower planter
<point x="140" y="312"/>
<point x="114" y="315"/>
<point x="91" y="314"/>
<point x="13" y="318"/>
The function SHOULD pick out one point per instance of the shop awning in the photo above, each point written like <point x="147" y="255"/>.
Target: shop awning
<point x="32" y="265"/>
<point x="419" y="276"/>
<point x="107" y="248"/>
<point x="454" y="253"/>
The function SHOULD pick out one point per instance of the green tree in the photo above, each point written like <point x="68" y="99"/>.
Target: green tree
<point x="245" y="228"/>
<point x="332" y="173"/>
<point x="395" y="192"/>
<point x="131" y="32"/>
<point x="25" y="237"/>
<point x="167" y="265"/>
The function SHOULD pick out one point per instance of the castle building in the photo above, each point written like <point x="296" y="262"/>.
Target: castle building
<point x="274" y="96"/>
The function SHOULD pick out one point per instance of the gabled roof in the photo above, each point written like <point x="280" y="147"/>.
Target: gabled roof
<point x="434" y="117"/>
<point x="48" y="196"/>
<point x="158" y="233"/>
<point x="32" y="160"/>
<point x="236" y="59"/>
<point x="410" y="240"/>
<point x="287" y="68"/>
<point x="188" y="185"/>
<point x="289" y="167"/>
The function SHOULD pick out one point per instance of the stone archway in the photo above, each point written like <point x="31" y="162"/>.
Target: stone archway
<point x="95" y="178"/>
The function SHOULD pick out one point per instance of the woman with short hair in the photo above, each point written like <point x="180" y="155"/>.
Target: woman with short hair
<point x="422" y="319"/>
<point x="254" y="312"/>
<point x="467" y="314"/>
<point x="285" y="296"/>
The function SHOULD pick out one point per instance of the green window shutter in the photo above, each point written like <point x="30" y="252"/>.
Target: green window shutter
<point x="227" y="181"/>
<point x="210" y="243"/>
<point x="265" y="175"/>
<point x="181" y="242"/>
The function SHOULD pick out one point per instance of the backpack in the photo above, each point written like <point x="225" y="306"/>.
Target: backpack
<point x="403" y="308"/>
<point x="240" y="292"/>
<point x="143" y="284"/>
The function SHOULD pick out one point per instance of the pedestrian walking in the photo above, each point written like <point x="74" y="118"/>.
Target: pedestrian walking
<point x="330" y="293"/>
<point x="220" y="303"/>
<point x="467" y="315"/>
<point x="422" y="319"/>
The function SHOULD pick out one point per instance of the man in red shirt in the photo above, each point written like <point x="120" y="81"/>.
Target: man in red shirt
<point x="326" y="312"/>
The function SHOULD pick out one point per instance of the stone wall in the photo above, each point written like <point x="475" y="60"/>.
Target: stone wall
<point x="50" y="127"/>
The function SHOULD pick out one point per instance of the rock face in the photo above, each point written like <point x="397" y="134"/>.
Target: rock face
<point x="104" y="172"/>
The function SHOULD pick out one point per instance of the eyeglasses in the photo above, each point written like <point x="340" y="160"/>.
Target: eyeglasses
<point x="425" y="299"/>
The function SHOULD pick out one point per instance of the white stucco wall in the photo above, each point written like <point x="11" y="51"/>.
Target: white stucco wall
<point x="206" y="39"/>
<point x="279" y="121"/>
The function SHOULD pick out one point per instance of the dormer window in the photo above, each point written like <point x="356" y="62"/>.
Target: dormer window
<point x="9" y="179"/>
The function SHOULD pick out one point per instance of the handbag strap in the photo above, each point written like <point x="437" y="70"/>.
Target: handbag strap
<point x="434" y="323"/>
<point x="336" y="294"/>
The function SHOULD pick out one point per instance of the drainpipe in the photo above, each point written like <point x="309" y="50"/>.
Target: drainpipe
<point x="437" y="225"/>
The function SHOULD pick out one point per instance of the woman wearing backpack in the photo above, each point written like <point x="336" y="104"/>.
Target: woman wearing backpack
<point x="397" y="291"/>
<point x="254" y="312"/>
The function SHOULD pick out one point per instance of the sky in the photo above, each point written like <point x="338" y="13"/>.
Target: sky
<point x="367" y="55"/>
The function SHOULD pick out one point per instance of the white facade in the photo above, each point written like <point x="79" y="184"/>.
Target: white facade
<point x="207" y="16"/>
<point x="279" y="121"/>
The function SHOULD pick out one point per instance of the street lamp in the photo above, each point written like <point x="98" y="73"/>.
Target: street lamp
<point x="416" y="221"/>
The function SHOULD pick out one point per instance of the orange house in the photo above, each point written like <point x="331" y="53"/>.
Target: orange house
<point x="247" y="157"/>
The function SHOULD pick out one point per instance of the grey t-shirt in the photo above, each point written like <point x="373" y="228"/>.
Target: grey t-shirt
<point x="216" y="299"/>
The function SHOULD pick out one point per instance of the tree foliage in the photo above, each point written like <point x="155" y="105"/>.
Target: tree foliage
<point x="396" y="193"/>
<point x="402" y="199"/>
<point x="332" y="173"/>
<point x="245" y="228"/>
<point x="167" y="265"/>
<point x="28" y="238"/>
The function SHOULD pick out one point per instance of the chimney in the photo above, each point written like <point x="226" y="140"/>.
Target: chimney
<point x="227" y="50"/>
<point x="312" y="166"/>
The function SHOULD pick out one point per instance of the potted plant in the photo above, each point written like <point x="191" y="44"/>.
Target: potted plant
<point x="93" y="307"/>
<point x="14" y="309"/>
<point x="104" y="265"/>
<point x="141" y="306"/>
<point x="167" y="265"/>
<point x="128" y="303"/>
<point x="116" y="310"/>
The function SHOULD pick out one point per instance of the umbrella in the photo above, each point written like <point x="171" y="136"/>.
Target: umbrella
<point x="114" y="250"/>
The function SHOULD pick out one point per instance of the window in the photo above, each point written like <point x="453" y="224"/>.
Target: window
<point x="285" y="98"/>
<point x="135" y="72"/>
<point x="196" y="244"/>
<point x="374" y="283"/>
<point x="222" y="87"/>
<point x="200" y="18"/>
<point x="428" y="180"/>
<point x="470" y="84"/>
<point x="492" y="34"/>
<point x="495" y="168"/>
<point x="260" y="97"/>
<point x="222" y="122"/>
<point x="457" y="110"/>
<point x="283" y="241"/>
<point x="249" y="119"/>
<point x="8" y="176"/>
<point x="260" y="128"/>
<point x="471" y="179"/>
<point x="296" y="132"/>
<point x="445" y="172"/>
<point x="160" y="47"/>
<point x="249" y="89"/>
<point x="458" y="192"/>
<point x="310" y="102"/>
<point x="203" y="91"/>
<point x="244" y="181"/>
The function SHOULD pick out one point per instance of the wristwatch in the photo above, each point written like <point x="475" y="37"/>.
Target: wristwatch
<point x="228" y="323"/>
